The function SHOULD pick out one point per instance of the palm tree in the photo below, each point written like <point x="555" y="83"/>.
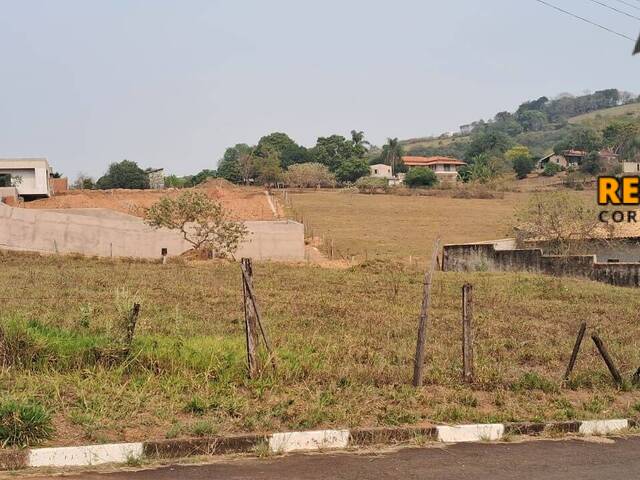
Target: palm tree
<point x="393" y="153"/>
<point x="359" y="143"/>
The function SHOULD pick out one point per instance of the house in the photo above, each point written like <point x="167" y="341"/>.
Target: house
<point x="573" y="158"/>
<point x="446" y="168"/>
<point x="380" y="170"/>
<point x="156" y="178"/>
<point x="30" y="176"/>
<point x="559" y="160"/>
<point x="631" y="168"/>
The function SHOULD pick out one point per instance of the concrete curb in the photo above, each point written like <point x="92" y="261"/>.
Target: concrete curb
<point x="285" y="442"/>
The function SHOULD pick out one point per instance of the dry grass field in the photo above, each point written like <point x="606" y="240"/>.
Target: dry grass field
<point x="600" y="118"/>
<point x="392" y="226"/>
<point x="344" y="341"/>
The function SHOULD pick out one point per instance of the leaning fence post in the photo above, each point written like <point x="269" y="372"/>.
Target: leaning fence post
<point x="251" y="329"/>
<point x="467" y="333"/>
<point x="607" y="359"/>
<point x="576" y="349"/>
<point x="418" y="365"/>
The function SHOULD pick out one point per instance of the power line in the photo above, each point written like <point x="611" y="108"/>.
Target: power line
<point x="586" y="20"/>
<point x="629" y="4"/>
<point x="615" y="9"/>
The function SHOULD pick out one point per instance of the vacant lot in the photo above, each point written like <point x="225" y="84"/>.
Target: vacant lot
<point x="245" y="203"/>
<point x="388" y="226"/>
<point x="344" y="341"/>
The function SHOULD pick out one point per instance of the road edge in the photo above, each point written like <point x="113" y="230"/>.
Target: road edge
<point x="286" y="442"/>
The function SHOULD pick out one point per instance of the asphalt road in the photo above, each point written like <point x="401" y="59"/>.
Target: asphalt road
<point x="548" y="460"/>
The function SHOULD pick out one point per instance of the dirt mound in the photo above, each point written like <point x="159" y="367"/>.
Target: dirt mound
<point x="244" y="203"/>
<point x="217" y="183"/>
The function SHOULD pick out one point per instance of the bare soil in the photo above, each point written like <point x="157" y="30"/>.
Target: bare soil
<point x="245" y="203"/>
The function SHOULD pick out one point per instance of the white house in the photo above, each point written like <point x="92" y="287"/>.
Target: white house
<point x="30" y="176"/>
<point x="380" y="170"/>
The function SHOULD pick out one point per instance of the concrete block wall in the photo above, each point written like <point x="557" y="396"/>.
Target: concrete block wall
<point x="98" y="232"/>
<point x="486" y="257"/>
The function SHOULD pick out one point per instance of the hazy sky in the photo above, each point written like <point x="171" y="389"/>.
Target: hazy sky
<point x="173" y="83"/>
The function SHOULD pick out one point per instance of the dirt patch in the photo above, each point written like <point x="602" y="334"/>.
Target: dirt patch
<point x="245" y="203"/>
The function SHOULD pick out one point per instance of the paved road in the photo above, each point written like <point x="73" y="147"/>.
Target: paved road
<point x="548" y="460"/>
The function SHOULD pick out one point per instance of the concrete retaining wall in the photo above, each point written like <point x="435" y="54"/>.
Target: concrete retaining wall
<point x="486" y="257"/>
<point x="101" y="232"/>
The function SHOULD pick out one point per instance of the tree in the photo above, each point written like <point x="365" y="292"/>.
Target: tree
<point x="268" y="169"/>
<point x="420" y="177"/>
<point x="310" y="175"/>
<point x="83" y="182"/>
<point x="360" y="145"/>
<point x="533" y="120"/>
<point x="203" y="222"/>
<point x="520" y="157"/>
<point x="490" y="142"/>
<point x="126" y="174"/>
<point x="229" y="166"/>
<point x="622" y="137"/>
<point x="392" y="153"/>
<point x="559" y="219"/>
<point x="592" y="164"/>
<point x="523" y="166"/>
<point x="332" y="151"/>
<point x="200" y="177"/>
<point x="352" y="169"/>
<point x="174" y="181"/>
<point x="276" y="142"/>
<point x="579" y="138"/>
<point x="293" y="155"/>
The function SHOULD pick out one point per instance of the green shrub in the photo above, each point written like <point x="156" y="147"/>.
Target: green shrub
<point x="372" y="185"/>
<point x="23" y="424"/>
<point x="533" y="381"/>
<point x="551" y="169"/>
<point x="523" y="166"/>
<point x="420" y="177"/>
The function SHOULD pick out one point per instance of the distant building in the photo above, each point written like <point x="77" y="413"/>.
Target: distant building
<point x="380" y="170"/>
<point x="631" y="168"/>
<point x="573" y="158"/>
<point x="156" y="178"/>
<point x="446" y="168"/>
<point x="30" y="176"/>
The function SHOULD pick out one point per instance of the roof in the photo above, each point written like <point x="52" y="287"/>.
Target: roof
<point x="574" y="153"/>
<point x="426" y="161"/>
<point x="23" y="163"/>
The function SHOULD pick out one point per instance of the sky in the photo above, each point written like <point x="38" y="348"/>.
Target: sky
<point x="172" y="83"/>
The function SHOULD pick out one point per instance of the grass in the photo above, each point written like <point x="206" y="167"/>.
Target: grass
<point x="344" y="341"/>
<point x="599" y="119"/>
<point x="392" y="226"/>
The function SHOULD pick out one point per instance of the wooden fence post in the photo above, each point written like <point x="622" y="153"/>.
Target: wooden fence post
<point x="250" y="325"/>
<point x="576" y="349"/>
<point x="607" y="359"/>
<point x="418" y="365"/>
<point x="467" y="333"/>
<point x="132" y="321"/>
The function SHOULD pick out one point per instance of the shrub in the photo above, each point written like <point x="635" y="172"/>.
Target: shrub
<point x="23" y="424"/>
<point x="372" y="185"/>
<point x="551" y="169"/>
<point x="523" y="166"/>
<point x="420" y="177"/>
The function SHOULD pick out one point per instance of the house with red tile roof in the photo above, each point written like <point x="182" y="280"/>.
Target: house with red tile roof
<point x="446" y="168"/>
